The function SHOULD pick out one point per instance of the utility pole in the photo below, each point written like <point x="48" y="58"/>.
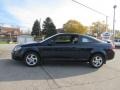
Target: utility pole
<point x="11" y="37"/>
<point x="106" y="23"/>
<point x="114" y="7"/>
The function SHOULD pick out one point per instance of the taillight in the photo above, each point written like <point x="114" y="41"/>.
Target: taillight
<point x="112" y="46"/>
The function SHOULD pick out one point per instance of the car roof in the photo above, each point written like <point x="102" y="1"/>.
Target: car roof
<point x="75" y="34"/>
<point x="67" y="34"/>
<point x="80" y="35"/>
<point x="70" y="34"/>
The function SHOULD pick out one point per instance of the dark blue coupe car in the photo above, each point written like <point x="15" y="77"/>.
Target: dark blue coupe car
<point x="68" y="47"/>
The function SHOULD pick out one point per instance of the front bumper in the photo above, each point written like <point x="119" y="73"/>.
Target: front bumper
<point x="17" y="55"/>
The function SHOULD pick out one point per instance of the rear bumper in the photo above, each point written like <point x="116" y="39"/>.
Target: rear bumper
<point x="110" y="54"/>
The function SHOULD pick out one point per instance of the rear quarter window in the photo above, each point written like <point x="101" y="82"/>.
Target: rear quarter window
<point x="87" y="40"/>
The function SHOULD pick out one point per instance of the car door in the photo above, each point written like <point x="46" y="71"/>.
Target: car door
<point x="61" y="46"/>
<point x="85" y="47"/>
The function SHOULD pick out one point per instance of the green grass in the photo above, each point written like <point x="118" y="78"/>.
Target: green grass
<point x="2" y="42"/>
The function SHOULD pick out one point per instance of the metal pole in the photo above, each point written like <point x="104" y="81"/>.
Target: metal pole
<point x="106" y="23"/>
<point x="10" y="37"/>
<point x="114" y="21"/>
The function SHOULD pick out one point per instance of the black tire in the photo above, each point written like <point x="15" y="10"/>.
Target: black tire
<point x="31" y="59"/>
<point x="97" y="60"/>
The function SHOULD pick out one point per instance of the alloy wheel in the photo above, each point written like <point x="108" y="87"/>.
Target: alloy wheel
<point x="31" y="59"/>
<point x="97" y="61"/>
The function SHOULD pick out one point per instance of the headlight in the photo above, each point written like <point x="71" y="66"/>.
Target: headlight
<point x="17" y="48"/>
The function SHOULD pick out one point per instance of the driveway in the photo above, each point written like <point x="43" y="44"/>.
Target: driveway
<point x="15" y="75"/>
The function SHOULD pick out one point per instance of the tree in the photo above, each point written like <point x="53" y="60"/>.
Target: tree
<point x="98" y="28"/>
<point x="117" y="34"/>
<point x="36" y="30"/>
<point x="49" y="27"/>
<point x="73" y="26"/>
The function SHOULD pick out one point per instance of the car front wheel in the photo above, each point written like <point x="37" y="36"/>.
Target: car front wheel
<point x="31" y="59"/>
<point x="97" y="61"/>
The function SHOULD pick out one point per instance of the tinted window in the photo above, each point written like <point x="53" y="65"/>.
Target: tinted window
<point x="66" y="39"/>
<point x="86" y="40"/>
<point x="116" y="40"/>
<point x="62" y="39"/>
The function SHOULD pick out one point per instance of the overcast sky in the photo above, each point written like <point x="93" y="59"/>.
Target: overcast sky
<point x="25" y="12"/>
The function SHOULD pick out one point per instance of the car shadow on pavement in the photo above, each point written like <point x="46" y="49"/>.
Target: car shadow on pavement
<point x="11" y="70"/>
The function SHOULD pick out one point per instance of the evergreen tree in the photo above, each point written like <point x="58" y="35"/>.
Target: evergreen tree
<point x="36" y="30"/>
<point x="49" y="27"/>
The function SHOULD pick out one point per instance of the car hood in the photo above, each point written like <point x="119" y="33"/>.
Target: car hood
<point x="31" y="44"/>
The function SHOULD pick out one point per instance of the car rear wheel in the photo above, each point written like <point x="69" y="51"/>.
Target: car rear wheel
<point x="97" y="61"/>
<point x="31" y="59"/>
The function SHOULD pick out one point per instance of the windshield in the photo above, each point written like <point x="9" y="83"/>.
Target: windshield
<point x="48" y="38"/>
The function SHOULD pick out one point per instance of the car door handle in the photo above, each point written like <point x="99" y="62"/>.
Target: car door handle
<point x="73" y="47"/>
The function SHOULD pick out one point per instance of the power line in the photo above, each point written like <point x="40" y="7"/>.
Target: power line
<point x="93" y="10"/>
<point x="89" y="8"/>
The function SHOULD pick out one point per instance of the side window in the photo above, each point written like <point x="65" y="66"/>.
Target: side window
<point x="116" y="40"/>
<point x="86" y="40"/>
<point x="66" y="39"/>
<point x="62" y="39"/>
